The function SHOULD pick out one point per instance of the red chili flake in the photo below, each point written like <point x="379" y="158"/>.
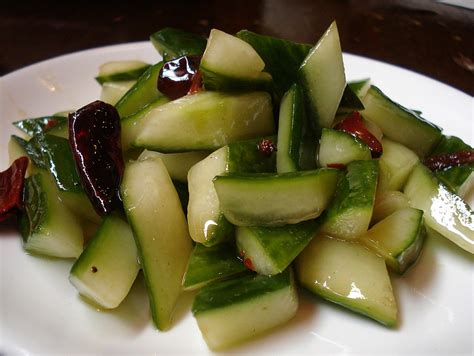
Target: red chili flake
<point x="94" y="269"/>
<point x="354" y="126"/>
<point x="50" y="124"/>
<point x="448" y="160"/>
<point x="336" y="165"/>
<point x="196" y="83"/>
<point x="248" y="263"/>
<point x="11" y="189"/>
<point x="266" y="147"/>
<point x="242" y="253"/>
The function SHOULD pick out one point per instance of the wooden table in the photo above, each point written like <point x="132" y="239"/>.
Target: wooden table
<point x="426" y="36"/>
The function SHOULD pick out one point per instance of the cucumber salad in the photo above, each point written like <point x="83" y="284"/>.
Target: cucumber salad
<point x="242" y="167"/>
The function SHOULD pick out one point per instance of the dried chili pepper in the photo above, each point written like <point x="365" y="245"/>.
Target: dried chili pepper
<point x="11" y="189"/>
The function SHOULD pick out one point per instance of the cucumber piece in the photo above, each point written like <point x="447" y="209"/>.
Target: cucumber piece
<point x="360" y="87"/>
<point x="112" y="92"/>
<point x="348" y="216"/>
<point x="47" y="227"/>
<point x="179" y="164"/>
<point x="205" y="121"/>
<point x="106" y="270"/>
<point x="460" y="179"/>
<point x="398" y="238"/>
<point x="270" y="250"/>
<point x="54" y="154"/>
<point x="120" y="71"/>
<point x="386" y="203"/>
<point x="400" y="124"/>
<point x="232" y="311"/>
<point x="38" y="125"/>
<point x="396" y="164"/>
<point x="349" y="102"/>
<point x="228" y="63"/>
<point x="348" y="274"/>
<point x="290" y="130"/>
<point x="282" y="58"/>
<point x="308" y="146"/>
<point x="444" y="211"/>
<point x="172" y="43"/>
<point x="340" y="148"/>
<point x="211" y="264"/>
<point x="207" y="224"/>
<point x="323" y="79"/>
<point x="275" y="200"/>
<point x="130" y="125"/>
<point x="154" y="212"/>
<point x="143" y="92"/>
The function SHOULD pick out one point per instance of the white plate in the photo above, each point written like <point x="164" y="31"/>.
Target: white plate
<point x="42" y="313"/>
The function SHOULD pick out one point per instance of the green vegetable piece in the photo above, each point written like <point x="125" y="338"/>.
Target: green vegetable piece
<point x="172" y="43"/>
<point x="211" y="264"/>
<point x="38" y="124"/>
<point x="348" y="216"/>
<point x="234" y="310"/>
<point x="282" y="58"/>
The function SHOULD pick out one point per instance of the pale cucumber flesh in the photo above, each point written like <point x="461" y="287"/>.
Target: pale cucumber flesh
<point x="348" y="274"/>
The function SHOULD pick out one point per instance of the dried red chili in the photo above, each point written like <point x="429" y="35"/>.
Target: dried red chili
<point x="179" y="77"/>
<point x="11" y="189"/>
<point x="448" y="160"/>
<point x="94" y="136"/>
<point x="354" y="126"/>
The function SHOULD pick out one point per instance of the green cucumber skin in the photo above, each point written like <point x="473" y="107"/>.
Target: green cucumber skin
<point x="455" y="220"/>
<point x="123" y="76"/>
<point x="282" y="58"/>
<point x="143" y="92"/>
<point x="238" y="290"/>
<point x="109" y="263"/>
<point x="37" y="125"/>
<point x="279" y="246"/>
<point x="360" y="87"/>
<point x="453" y="177"/>
<point x="355" y="194"/>
<point x="172" y="43"/>
<point x="338" y="147"/>
<point x="419" y="134"/>
<point x="349" y="102"/>
<point x="47" y="227"/>
<point x="54" y="153"/>
<point x="221" y="82"/>
<point x="275" y="200"/>
<point x="290" y="128"/>
<point x="210" y="264"/>
<point x="399" y="258"/>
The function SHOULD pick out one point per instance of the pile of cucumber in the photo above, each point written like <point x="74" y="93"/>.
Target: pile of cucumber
<point x="208" y="208"/>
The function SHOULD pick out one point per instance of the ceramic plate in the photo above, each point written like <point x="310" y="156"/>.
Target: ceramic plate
<point x="41" y="311"/>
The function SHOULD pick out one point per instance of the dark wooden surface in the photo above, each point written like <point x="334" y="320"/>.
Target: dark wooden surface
<point x="426" y="36"/>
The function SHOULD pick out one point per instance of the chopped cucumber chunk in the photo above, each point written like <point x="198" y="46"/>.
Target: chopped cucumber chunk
<point x="106" y="270"/>
<point x="47" y="226"/>
<point x="323" y="79"/>
<point x="340" y="148"/>
<point x="161" y="233"/>
<point x="349" y="214"/>
<point x="386" y="203"/>
<point x="445" y="212"/>
<point x="205" y="121"/>
<point x="238" y="309"/>
<point x="120" y="71"/>
<point x="290" y="130"/>
<point x="398" y="238"/>
<point x="270" y="250"/>
<point x="172" y="43"/>
<point x="275" y="200"/>
<point x="112" y="92"/>
<point x="400" y="124"/>
<point x="348" y="274"/>
<point x="210" y="264"/>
